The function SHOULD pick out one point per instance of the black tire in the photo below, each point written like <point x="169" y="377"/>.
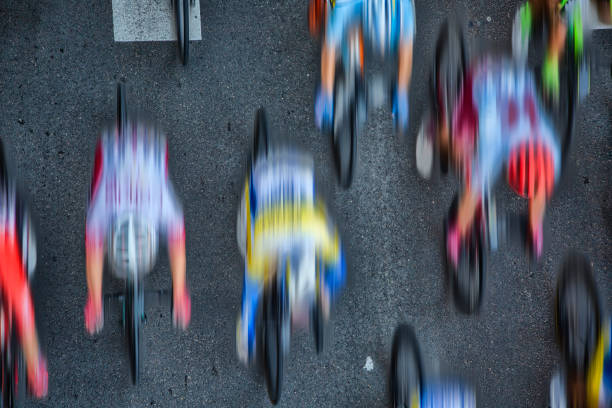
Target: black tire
<point x="273" y="342"/>
<point x="260" y="135"/>
<point x="578" y="313"/>
<point x="406" y="376"/>
<point x="182" y="25"/>
<point x="345" y="130"/>
<point x="468" y="277"/>
<point x="19" y="379"/>
<point x="317" y="318"/>
<point x="449" y="70"/>
<point x="133" y="311"/>
<point x="121" y="108"/>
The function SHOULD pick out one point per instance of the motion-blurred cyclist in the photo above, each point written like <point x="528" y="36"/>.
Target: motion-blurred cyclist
<point x="585" y="336"/>
<point x="131" y="175"/>
<point x="281" y="218"/>
<point x="13" y="276"/>
<point x="499" y="121"/>
<point x="580" y="16"/>
<point x="389" y="26"/>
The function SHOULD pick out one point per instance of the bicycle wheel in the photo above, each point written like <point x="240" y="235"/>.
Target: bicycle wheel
<point x="450" y="67"/>
<point x="273" y="342"/>
<point x="406" y="369"/>
<point x="18" y="377"/>
<point x="469" y="275"/>
<point x="133" y="312"/>
<point x="577" y="313"/>
<point x="182" y="24"/>
<point x="121" y="108"/>
<point x="317" y="317"/>
<point x="260" y="136"/>
<point x="345" y="128"/>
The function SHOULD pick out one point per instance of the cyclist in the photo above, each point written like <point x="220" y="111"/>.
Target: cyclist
<point x="586" y="377"/>
<point x="131" y="174"/>
<point x="281" y="218"/>
<point x="390" y="28"/>
<point x="498" y="120"/>
<point x="580" y="16"/>
<point x="13" y="277"/>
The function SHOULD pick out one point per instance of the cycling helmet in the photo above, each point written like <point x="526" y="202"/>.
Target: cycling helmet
<point x="382" y="17"/>
<point x="578" y="314"/>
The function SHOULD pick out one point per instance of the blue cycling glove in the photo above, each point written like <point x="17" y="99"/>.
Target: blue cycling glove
<point x="401" y="109"/>
<point x="323" y="109"/>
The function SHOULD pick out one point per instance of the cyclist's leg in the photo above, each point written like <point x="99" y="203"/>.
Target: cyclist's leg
<point x="181" y="308"/>
<point x="94" y="254"/>
<point x="338" y="21"/>
<point x="406" y="33"/>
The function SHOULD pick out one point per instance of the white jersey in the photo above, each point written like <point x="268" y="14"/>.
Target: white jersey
<point x="131" y="176"/>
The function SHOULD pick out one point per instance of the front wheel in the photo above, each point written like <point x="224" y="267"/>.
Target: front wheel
<point x="406" y="369"/>
<point x="121" y="108"/>
<point x="260" y="135"/>
<point x="345" y="128"/>
<point x="468" y="277"/>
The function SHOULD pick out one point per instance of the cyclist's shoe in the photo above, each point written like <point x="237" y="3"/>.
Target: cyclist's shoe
<point x="401" y="109"/>
<point x="94" y="316"/>
<point x="324" y="110"/>
<point x="536" y="240"/>
<point x="453" y="244"/>
<point x="244" y="347"/>
<point x="550" y="77"/>
<point x="181" y="309"/>
<point x="38" y="378"/>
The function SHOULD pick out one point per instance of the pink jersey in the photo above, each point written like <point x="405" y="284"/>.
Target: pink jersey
<point x="131" y="176"/>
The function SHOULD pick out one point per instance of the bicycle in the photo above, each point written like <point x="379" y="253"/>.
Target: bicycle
<point x="182" y="11"/>
<point x="407" y="386"/>
<point x="133" y="245"/>
<point x="287" y="293"/>
<point x="490" y="226"/>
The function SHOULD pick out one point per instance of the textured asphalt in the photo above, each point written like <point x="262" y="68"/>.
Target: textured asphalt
<point x="58" y="71"/>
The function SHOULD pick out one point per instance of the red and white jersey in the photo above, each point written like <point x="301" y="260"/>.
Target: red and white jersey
<point x="131" y="176"/>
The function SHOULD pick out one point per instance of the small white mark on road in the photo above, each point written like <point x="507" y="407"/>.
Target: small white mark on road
<point x="369" y="364"/>
<point x="151" y="20"/>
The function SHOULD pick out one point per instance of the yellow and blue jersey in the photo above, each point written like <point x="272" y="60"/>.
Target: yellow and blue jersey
<point x="281" y="218"/>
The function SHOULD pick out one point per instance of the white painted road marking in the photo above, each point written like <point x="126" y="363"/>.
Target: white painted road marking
<point x="369" y="364"/>
<point x="151" y="20"/>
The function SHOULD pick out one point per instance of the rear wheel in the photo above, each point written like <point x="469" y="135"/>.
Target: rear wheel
<point x="406" y="369"/>
<point x="182" y="24"/>
<point x="273" y="342"/>
<point x="260" y="136"/>
<point x="345" y="128"/>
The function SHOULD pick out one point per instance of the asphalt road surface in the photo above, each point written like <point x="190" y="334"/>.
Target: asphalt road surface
<point x="59" y="66"/>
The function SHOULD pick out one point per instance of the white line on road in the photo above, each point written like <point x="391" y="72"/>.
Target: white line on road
<point x="151" y="20"/>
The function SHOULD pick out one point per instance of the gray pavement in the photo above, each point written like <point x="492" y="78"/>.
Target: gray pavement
<point x="58" y="68"/>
